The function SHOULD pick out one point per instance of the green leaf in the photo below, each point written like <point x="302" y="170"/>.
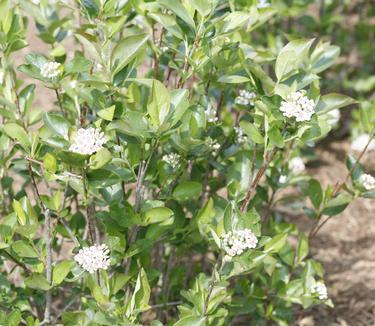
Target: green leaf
<point x="204" y="7"/>
<point x="291" y="57"/>
<point x="275" y="137"/>
<point x="302" y="247"/>
<point x="205" y="217"/>
<point x="276" y="243"/>
<point x="337" y="205"/>
<point x="159" y="103"/>
<point x="16" y="132"/>
<point x="234" y="79"/>
<point x="323" y="56"/>
<point x="358" y="170"/>
<point x="179" y="105"/>
<point x="252" y="132"/>
<point x="188" y="190"/>
<point x="169" y="23"/>
<point x="158" y="215"/>
<point x="333" y="101"/>
<point x="61" y="270"/>
<point x="191" y="321"/>
<point x="78" y="64"/>
<point x="50" y="163"/>
<point x="89" y="46"/>
<point x="23" y="249"/>
<point x="100" y="159"/>
<point x="177" y="7"/>
<point x="57" y="124"/>
<point x="141" y="294"/>
<point x="236" y="19"/>
<point x="74" y="159"/>
<point x="315" y="193"/>
<point x="126" y="50"/>
<point x="38" y="282"/>
<point x="20" y="212"/>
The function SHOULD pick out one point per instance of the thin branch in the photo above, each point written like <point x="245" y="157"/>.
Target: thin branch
<point x="47" y="235"/>
<point x="59" y="102"/>
<point x="167" y="304"/>
<point x="256" y="181"/>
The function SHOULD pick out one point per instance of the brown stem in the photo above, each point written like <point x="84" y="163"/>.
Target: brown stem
<point x="59" y="102"/>
<point x="88" y="208"/>
<point x="256" y="181"/>
<point x="47" y="216"/>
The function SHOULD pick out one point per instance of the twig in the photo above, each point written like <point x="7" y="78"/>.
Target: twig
<point x="167" y="304"/>
<point x="256" y="181"/>
<point x="59" y="102"/>
<point x="47" y="234"/>
<point x="88" y="208"/>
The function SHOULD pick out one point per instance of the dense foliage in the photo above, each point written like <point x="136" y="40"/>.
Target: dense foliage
<point x="161" y="188"/>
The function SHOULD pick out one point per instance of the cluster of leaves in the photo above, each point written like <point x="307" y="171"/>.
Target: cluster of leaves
<point x="146" y="73"/>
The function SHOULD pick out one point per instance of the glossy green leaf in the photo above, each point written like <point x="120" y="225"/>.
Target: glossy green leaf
<point x="126" y="50"/>
<point x="187" y="191"/>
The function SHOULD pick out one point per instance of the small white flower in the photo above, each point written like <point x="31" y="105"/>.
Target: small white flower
<point x="245" y="98"/>
<point x="241" y="137"/>
<point x="164" y="49"/>
<point x="213" y="144"/>
<point x="210" y="113"/>
<point x="87" y="141"/>
<point x="320" y="289"/>
<point x="50" y="70"/>
<point x="226" y="39"/>
<point x="367" y="181"/>
<point x="98" y="67"/>
<point x="173" y="159"/>
<point x="73" y="84"/>
<point x="283" y="179"/>
<point x="263" y="4"/>
<point x="296" y="165"/>
<point x="361" y="141"/>
<point x="236" y="242"/>
<point x="299" y="106"/>
<point x="334" y="117"/>
<point x="93" y="258"/>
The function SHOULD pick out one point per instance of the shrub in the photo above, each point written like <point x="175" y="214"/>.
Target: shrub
<point x="160" y="187"/>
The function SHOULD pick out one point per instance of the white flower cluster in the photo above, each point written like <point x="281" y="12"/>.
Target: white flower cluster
<point x="361" y="141"/>
<point x="164" y="49"/>
<point x="210" y="113"/>
<point x="93" y="258"/>
<point x="172" y="159"/>
<point x="87" y="141"/>
<point x="321" y="290"/>
<point x="299" y="106"/>
<point x="50" y="70"/>
<point x="263" y="4"/>
<point x="296" y="165"/>
<point x="367" y="181"/>
<point x="334" y="117"/>
<point x="245" y="98"/>
<point x="236" y="242"/>
<point x="283" y="179"/>
<point x="213" y="144"/>
<point x="241" y="137"/>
